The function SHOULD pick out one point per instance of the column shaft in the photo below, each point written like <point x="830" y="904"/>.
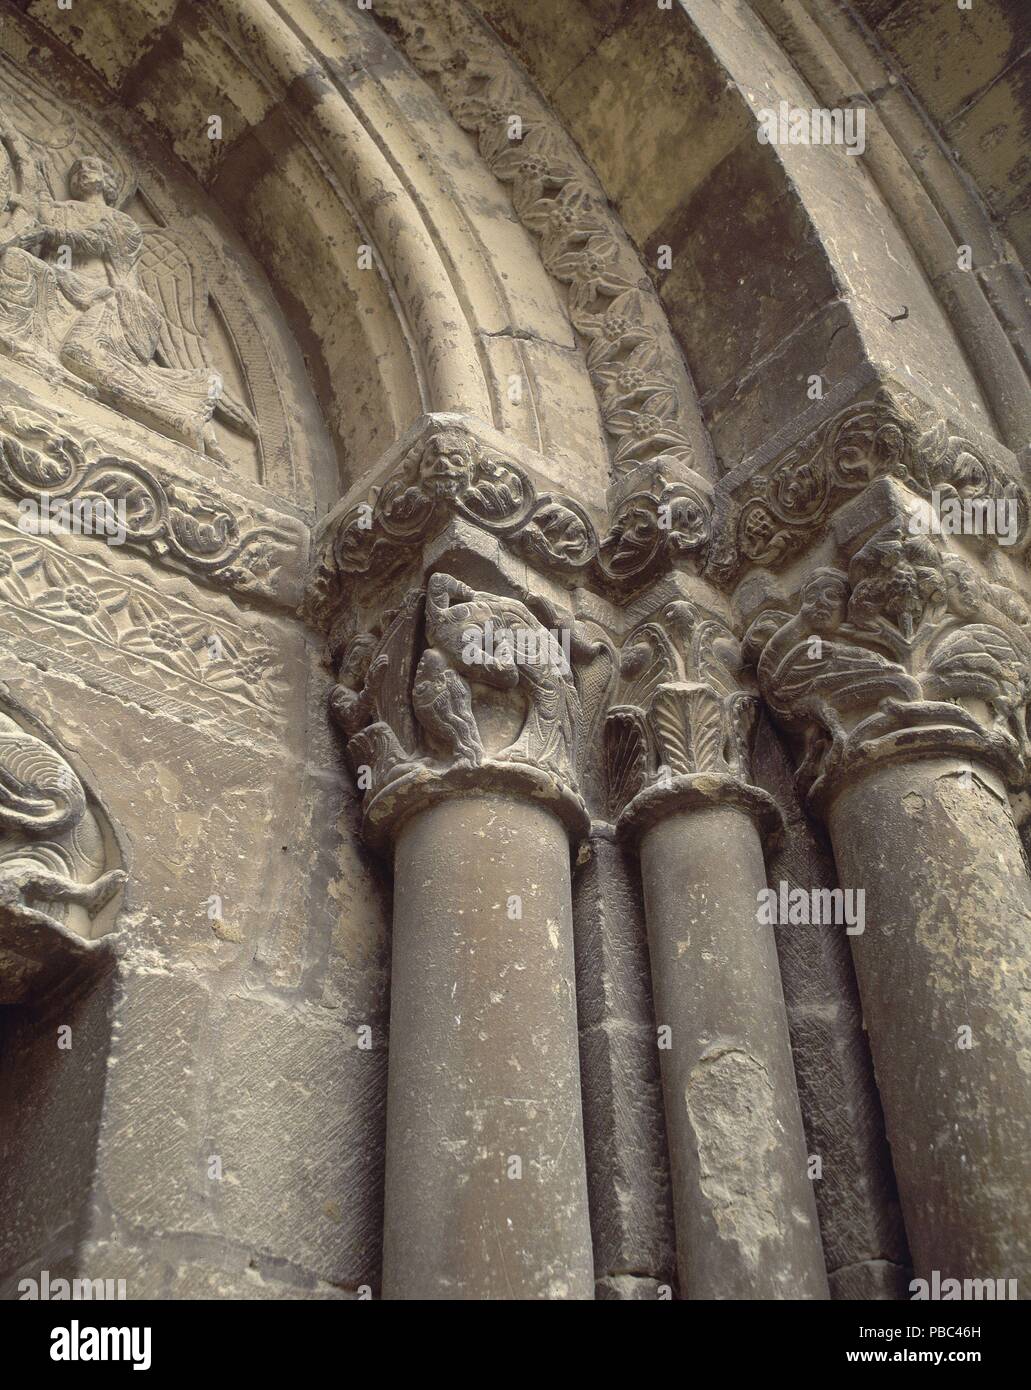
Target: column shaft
<point x="944" y="974"/>
<point x="745" y="1213"/>
<point x="486" y="1191"/>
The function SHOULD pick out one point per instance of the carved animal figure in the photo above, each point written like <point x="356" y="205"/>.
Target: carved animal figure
<point x="549" y="732"/>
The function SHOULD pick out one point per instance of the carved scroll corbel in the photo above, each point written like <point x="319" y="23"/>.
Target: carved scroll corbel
<point x="55" y="871"/>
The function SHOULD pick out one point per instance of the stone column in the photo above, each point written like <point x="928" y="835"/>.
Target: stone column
<point x="745" y="1212"/>
<point x="944" y="971"/>
<point x="486" y="1189"/>
<point x="485" y="1177"/>
<point x="907" y="680"/>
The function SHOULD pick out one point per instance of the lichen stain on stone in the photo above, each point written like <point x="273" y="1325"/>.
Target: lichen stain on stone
<point x="730" y="1103"/>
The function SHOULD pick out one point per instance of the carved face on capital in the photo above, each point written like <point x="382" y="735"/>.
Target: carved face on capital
<point x="91" y="175"/>
<point x="355" y="661"/>
<point x="825" y="599"/>
<point x="632" y="537"/>
<point x="445" y="465"/>
<point x="688" y="522"/>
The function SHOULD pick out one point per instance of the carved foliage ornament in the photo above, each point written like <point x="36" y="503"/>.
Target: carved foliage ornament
<point x="451" y="474"/>
<point x="911" y="649"/>
<point x="127" y="623"/>
<point x="874" y="439"/>
<point x="192" y="525"/>
<point x="630" y="352"/>
<point x="681" y="708"/>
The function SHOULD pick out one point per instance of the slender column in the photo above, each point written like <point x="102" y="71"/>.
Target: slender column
<point x="906" y="676"/>
<point x="486" y="1191"/>
<point x="944" y="970"/>
<point x="462" y="717"/>
<point x="678" y="749"/>
<point x="745" y="1210"/>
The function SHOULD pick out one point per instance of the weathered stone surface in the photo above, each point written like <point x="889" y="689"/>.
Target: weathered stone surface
<point x="488" y="430"/>
<point x="860" y="1221"/>
<point x="624" y="1124"/>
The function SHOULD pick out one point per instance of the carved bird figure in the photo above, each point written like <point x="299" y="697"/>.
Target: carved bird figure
<point x="443" y="706"/>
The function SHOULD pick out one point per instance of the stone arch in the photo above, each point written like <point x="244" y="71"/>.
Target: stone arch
<point x="512" y="409"/>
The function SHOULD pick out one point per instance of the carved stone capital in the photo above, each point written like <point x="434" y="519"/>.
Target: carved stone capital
<point x="907" y="652"/>
<point x="453" y="468"/>
<point x="780" y="509"/>
<point x="678" y="734"/>
<point x="462" y="691"/>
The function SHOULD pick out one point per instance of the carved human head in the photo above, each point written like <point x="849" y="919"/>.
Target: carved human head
<point x="444" y="465"/>
<point x="432" y="664"/>
<point x="824" y="599"/>
<point x="689" y="517"/>
<point x="92" y="175"/>
<point x="355" y="661"/>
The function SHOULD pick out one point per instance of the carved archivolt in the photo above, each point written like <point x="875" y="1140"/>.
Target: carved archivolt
<point x="910" y="651"/>
<point x="55" y="874"/>
<point x="633" y="360"/>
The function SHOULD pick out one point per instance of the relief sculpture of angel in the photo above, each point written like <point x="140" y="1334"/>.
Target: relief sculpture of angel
<point x="88" y="295"/>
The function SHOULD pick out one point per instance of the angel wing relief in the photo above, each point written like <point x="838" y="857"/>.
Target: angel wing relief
<point x="91" y="297"/>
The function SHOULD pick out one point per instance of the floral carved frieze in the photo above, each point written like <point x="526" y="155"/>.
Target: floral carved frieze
<point x="777" y="512"/>
<point x="131" y="627"/>
<point x="910" y="651"/>
<point x="192" y="524"/>
<point x="633" y="361"/>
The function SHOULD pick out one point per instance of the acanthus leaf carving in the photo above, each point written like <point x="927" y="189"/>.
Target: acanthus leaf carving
<point x="683" y="710"/>
<point x="883" y="657"/>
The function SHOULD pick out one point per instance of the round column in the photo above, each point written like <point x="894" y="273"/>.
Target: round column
<point x="944" y="969"/>
<point x="486" y="1190"/>
<point x="744" y="1207"/>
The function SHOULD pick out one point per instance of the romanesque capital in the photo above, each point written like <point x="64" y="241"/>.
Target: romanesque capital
<point x="452" y="468"/>
<point x="910" y="651"/>
<point x="679" y="731"/>
<point x="779" y="510"/>
<point x="458" y="690"/>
